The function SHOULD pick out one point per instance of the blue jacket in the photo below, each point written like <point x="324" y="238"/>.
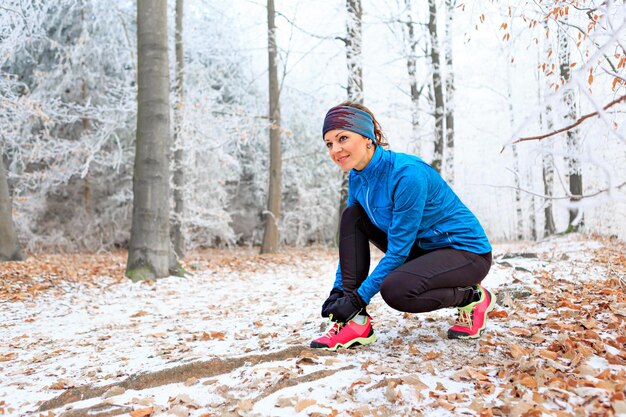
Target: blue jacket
<point x="408" y="200"/>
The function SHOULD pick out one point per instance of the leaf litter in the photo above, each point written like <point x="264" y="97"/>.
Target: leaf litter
<point x="556" y="348"/>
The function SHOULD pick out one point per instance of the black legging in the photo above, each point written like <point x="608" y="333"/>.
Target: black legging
<point x="427" y="281"/>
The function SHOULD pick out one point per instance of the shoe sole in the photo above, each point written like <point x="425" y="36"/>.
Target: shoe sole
<point x="359" y="341"/>
<point x="492" y="305"/>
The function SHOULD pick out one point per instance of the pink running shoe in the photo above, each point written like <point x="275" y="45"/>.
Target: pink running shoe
<point x="472" y="318"/>
<point x="347" y="335"/>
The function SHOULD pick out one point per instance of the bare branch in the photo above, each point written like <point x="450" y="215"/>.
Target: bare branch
<point x="566" y="128"/>
<point x="573" y="197"/>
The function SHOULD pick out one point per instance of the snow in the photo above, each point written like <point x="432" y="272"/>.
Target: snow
<point x="101" y="334"/>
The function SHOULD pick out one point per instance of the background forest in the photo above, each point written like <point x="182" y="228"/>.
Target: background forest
<point x="455" y="82"/>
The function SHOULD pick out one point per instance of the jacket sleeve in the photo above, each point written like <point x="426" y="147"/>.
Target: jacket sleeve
<point x="409" y="199"/>
<point x="351" y="201"/>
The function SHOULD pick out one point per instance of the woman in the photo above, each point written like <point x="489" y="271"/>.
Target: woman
<point x="436" y="252"/>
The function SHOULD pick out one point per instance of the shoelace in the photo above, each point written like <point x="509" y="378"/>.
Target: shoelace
<point x="333" y="330"/>
<point x="464" y="319"/>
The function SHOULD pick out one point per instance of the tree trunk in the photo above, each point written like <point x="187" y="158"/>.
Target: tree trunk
<point x="519" y="232"/>
<point x="354" y="55"/>
<point x="532" y="217"/>
<point x="547" y="156"/>
<point x="437" y="86"/>
<point x="411" y="65"/>
<point x="9" y="246"/>
<point x="449" y="153"/>
<point x="354" y="59"/>
<point x="573" y="140"/>
<point x="149" y="249"/>
<point x="178" y="237"/>
<point x="272" y="216"/>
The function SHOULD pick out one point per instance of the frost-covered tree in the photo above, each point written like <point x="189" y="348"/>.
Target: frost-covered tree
<point x="178" y="215"/>
<point x="68" y="151"/>
<point x="437" y="85"/>
<point x="272" y="215"/>
<point x="149" y="251"/>
<point x="9" y="246"/>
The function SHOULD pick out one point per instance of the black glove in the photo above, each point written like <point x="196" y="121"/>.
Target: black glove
<point x="346" y="308"/>
<point x="334" y="295"/>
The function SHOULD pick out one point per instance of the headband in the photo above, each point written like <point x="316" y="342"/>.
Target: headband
<point x="349" y="118"/>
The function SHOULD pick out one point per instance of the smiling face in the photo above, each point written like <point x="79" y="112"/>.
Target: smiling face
<point x="348" y="149"/>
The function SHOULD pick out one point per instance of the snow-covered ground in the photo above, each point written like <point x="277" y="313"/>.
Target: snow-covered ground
<point x="558" y="350"/>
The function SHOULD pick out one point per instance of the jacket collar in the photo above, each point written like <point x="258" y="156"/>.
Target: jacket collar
<point x="372" y="169"/>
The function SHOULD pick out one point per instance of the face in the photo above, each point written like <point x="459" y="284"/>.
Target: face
<point x="348" y="149"/>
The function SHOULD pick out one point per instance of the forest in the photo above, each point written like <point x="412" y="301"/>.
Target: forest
<point x="457" y="83"/>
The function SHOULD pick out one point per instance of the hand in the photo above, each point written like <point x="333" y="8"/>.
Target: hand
<point x="334" y="295"/>
<point x="346" y="308"/>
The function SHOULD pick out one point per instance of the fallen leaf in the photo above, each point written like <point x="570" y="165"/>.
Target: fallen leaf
<point x="529" y="382"/>
<point x="8" y="357"/>
<point x="191" y="381"/>
<point x="179" y="411"/>
<point x="244" y="405"/>
<point x="433" y="354"/>
<point x="286" y="402"/>
<point x="142" y="412"/>
<point x="302" y="404"/>
<point x="498" y="314"/>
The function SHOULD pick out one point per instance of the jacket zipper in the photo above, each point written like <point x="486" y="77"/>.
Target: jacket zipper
<point x="367" y="203"/>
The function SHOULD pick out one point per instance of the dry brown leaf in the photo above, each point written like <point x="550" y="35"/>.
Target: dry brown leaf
<point x="390" y="391"/>
<point x="499" y="314"/>
<point x="8" y="357"/>
<point x="517" y="351"/>
<point x="479" y="375"/>
<point x="286" y="401"/>
<point x="245" y="405"/>
<point x="520" y="331"/>
<point x="179" y="410"/>
<point x="142" y="412"/>
<point x="191" y="381"/>
<point x="413" y="380"/>
<point x="548" y="354"/>
<point x="433" y="354"/>
<point x="140" y="313"/>
<point x="302" y="404"/>
<point x="529" y="382"/>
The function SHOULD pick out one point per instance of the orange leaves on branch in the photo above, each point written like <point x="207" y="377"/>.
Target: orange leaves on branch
<point x="590" y="78"/>
<point x="482" y="18"/>
<point x="504" y="26"/>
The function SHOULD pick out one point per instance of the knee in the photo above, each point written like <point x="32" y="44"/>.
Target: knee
<point x="351" y="216"/>
<point x="352" y="212"/>
<point x="393" y="293"/>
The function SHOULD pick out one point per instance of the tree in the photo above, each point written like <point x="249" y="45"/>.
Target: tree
<point x="411" y="41"/>
<point x="437" y="86"/>
<point x="178" y="236"/>
<point x="9" y="246"/>
<point x="573" y="140"/>
<point x="354" y="59"/>
<point x="272" y="215"/>
<point x="149" y="252"/>
<point x="448" y="166"/>
<point x="547" y="156"/>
